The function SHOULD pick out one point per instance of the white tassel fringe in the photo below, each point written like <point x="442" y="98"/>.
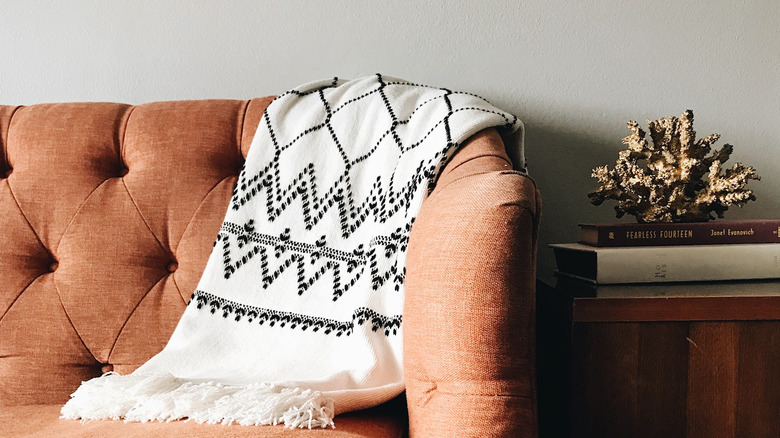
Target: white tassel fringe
<point x="166" y="398"/>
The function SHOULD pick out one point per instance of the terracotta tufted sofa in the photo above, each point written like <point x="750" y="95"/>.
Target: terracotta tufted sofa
<point x="107" y="216"/>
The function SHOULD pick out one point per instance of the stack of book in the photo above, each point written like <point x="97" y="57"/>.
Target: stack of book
<point x="714" y="257"/>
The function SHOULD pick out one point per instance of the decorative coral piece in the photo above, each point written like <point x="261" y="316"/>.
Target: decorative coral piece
<point x="670" y="185"/>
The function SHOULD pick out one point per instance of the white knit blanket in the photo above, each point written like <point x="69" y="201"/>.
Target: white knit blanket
<point x="298" y="315"/>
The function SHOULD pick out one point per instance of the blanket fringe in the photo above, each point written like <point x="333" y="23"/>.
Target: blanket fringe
<point x="163" y="397"/>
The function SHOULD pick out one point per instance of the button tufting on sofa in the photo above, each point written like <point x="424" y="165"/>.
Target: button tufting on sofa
<point x="6" y="174"/>
<point x="53" y="266"/>
<point x="122" y="171"/>
<point x="172" y="267"/>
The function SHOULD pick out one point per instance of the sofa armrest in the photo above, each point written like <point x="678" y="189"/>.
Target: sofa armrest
<point x="469" y="311"/>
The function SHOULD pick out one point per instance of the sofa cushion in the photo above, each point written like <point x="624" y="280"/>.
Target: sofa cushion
<point x="42" y="421"/>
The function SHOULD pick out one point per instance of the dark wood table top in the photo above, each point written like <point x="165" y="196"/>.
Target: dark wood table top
<point x="716" y="301"/>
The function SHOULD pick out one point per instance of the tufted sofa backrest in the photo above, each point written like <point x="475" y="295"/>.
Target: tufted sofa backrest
<point x="107" y="216"/>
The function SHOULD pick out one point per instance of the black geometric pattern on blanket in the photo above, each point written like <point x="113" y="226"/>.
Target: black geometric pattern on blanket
<point x="291" y="320"/>
<point x="243" y="245"/>
<point x="349" y="265"/>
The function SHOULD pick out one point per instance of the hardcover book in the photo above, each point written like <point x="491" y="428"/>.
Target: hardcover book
<point x="654" y="264"/>
<point x="694" y="233"/>
<point x="578" y="288"/>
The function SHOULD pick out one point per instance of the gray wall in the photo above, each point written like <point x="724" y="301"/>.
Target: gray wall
<point x="574" y="72"/>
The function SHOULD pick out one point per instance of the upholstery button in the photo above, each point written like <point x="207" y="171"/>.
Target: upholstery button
<point x="7" y="173"/>
<point x="172" y="267"/>
<point x="53" y="266"/>
<point x="106" y="368"/>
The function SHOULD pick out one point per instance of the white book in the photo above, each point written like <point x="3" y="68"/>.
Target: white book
<point x="652" y="264"/>
<point x="736" y="288"/>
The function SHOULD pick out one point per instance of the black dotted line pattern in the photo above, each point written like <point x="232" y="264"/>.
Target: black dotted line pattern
<point x="389" y="325"/>
<point x="314" y="207"/>
<point x="381" y="203"/>
<point x="347" y="267"/>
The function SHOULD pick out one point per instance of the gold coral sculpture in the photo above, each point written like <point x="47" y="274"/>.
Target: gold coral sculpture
<point x="670" y="186"/>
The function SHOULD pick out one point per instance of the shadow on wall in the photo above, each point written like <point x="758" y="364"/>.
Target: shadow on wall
<point x="561" y="161"/>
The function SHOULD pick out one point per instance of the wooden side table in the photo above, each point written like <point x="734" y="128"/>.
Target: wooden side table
<point x="658" y="366"/>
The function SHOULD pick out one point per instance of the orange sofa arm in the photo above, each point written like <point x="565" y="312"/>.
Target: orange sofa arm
<point x="469" y="310"/>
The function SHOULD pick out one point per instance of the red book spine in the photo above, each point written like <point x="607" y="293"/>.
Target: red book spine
<point x="695" y="233"/>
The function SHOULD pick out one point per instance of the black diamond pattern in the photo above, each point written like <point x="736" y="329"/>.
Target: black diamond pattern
<point x="270" y="191"/>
